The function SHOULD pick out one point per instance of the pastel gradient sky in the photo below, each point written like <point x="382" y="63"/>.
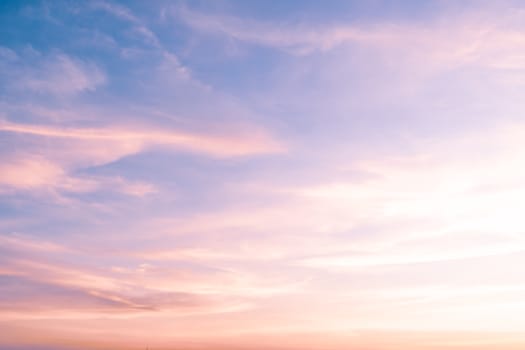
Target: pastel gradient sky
<point x="248" y="175"/>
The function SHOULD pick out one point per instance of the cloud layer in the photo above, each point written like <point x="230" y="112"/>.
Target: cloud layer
<point x="239" y="176"/>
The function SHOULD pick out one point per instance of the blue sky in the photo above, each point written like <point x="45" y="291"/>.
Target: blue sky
<point x="283" y="173"/>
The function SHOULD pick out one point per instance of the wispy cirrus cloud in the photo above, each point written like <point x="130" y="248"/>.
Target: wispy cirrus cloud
<point x="450" y="41"/>
<point x="33" y="173"/>
<point x="252" y="142"/>
<point x="123" y="13"/>
<point x="56" y="74"/>
<point x="298" y="38"/>
<point x="28" y="263"/>
<point x="33" y="168"/>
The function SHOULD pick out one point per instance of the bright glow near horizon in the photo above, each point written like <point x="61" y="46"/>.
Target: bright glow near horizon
<point x="262" y="175"/>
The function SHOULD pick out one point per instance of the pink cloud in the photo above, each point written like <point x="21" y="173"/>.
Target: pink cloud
<point x="29" y="172"/>
<point x="443" y="42"/>
<point x="251" y="142"/>
<point x="67" y="149"/>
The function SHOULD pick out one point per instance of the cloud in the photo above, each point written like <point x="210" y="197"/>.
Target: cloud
<point x="117" y="10"/>
<point x="32" y="173"/>
<point x="401" y="257"/>
<point x="24" y="297"/>
<point x="299" y="38"/>
<point x="125" y="14"/>
<point x="6" y="54"/>
<point x="29" y="173"/>
<point x="441" y="202"/>
<point x="132" y="188"/>
<point x="56" y="74"/>
<point x="33" y="283"/>
<point x="17" y="291"/>
<point x="464" y="38"/>
<point x="67" y="149"/>
<point x="253" y="141"/>
<point x="24" y="243"/>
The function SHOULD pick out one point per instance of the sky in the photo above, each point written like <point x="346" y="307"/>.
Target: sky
<point x="278" y="175"/>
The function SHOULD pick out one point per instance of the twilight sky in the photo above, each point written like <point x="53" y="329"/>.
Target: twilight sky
<point x="249" y="175"/>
